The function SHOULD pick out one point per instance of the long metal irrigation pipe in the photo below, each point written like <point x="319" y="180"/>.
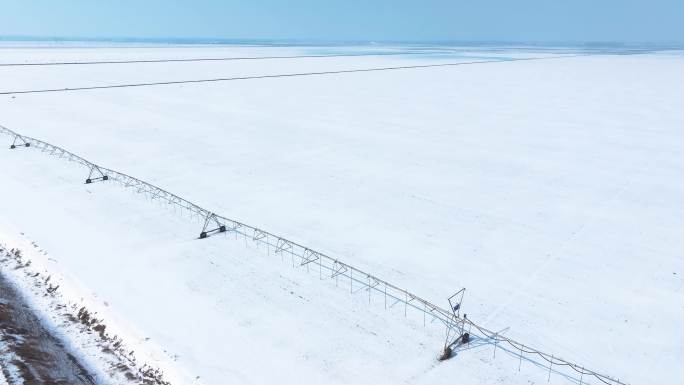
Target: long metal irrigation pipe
<point x="305" y="255"/>
<point x="201" y="59"/>
<point x="273" y="76"/>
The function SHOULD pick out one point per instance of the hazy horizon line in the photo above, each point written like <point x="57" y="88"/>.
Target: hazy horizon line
<point x="308" y="41"/>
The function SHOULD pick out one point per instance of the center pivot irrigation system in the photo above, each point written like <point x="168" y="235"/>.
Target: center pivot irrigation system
<point x="328" y="267"/>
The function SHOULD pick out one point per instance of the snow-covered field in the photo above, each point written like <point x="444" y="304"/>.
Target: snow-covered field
<point x="551" y="189"/>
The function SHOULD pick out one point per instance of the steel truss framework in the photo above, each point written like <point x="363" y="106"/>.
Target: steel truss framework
<point x="328" y="267"/>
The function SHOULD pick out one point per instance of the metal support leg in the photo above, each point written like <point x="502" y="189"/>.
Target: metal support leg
<point x="23" y="143"/>
<point x="496" y="341"/>
<point x="96" y="171"/>
<point x="385" y="296"/>
<point x="211" y="219"/>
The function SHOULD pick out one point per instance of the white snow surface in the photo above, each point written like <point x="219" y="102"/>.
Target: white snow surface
<point x="551" y="189"/>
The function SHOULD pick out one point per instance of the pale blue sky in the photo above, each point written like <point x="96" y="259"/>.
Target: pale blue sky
<point x="419" y="20"/>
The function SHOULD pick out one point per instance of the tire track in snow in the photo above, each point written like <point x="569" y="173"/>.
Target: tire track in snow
<point x="554" y="255"/>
